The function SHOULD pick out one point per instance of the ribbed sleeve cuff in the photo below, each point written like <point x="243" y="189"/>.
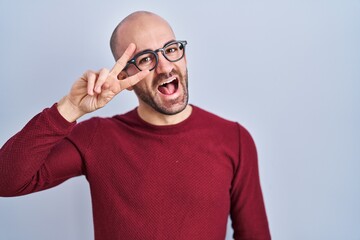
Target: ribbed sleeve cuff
<point x="55" y="119"/>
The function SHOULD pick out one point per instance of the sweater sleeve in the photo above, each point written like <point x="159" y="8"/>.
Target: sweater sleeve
<point x="39" y="156"/>
<point x="248" y="214"/>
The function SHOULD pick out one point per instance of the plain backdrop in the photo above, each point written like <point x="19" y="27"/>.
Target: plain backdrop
<point x="289" y="71"/>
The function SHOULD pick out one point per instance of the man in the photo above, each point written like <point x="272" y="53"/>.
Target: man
<point x="165" y="170"/>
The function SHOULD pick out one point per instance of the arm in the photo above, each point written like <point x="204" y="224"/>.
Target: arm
<point x="248" y="213"/>
<point x="40" y="156"/>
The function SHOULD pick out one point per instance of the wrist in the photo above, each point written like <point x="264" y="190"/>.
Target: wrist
<point x="68" y="110"/>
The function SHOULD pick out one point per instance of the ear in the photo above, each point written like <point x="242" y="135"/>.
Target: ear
<point x="123" y="75"/>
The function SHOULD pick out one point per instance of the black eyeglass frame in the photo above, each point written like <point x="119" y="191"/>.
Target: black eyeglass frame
<point x="155" y="53"/>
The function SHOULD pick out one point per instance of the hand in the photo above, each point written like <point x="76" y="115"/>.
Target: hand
<point x="95" y="89"/>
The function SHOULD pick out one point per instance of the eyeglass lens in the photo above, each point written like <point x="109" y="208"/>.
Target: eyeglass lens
<point x="172" y="53"/>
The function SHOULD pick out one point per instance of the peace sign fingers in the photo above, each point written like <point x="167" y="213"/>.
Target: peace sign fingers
<point x="122" y="61"/>
<point x="119" y="67"/>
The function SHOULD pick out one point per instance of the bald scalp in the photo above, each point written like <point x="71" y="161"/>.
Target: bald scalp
<point x="135" y="20"/>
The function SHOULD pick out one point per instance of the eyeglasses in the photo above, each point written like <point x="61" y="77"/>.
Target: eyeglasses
<point x="148" y="59"/>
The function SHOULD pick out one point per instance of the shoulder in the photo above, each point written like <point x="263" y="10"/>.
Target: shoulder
<point x="224" y="125"/>
<point x="215" y="120"/>
<point x="211" y="118"/>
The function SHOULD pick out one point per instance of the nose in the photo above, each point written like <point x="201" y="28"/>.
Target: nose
<point x="163" y="66"/>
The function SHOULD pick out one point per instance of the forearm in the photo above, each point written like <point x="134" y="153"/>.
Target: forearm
<point x="22" y="156"/>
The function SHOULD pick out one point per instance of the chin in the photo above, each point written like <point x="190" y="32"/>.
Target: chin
<point x="172" y="110"/>
<point x="171" y="107"/>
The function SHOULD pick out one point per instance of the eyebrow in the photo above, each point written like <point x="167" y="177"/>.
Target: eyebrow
<point x="148" y="49"/>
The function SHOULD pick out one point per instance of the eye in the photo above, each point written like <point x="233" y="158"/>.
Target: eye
<point x="172" y="50"/>
<point x="145" y="60"/>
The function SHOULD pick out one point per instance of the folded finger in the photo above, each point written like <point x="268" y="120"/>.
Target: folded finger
<point x="90" y="77"/>
<point x="103" y="74"/>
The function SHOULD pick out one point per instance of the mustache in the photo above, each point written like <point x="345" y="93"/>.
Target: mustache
<point x="164" y="76"/>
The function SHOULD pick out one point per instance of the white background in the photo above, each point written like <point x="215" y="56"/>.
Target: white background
<point x="289" y="71"/>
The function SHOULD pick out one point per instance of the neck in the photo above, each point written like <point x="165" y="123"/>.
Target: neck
<point x="148" y="114"/>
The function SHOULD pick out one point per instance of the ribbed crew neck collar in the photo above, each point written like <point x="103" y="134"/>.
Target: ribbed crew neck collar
<point x="163" y="129"/>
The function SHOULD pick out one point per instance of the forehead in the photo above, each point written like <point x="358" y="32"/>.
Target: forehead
<point x="152" y="40"/>
<point x="146" y="33"/>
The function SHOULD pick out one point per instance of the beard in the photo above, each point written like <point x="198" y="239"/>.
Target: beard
<point x="170" y="107"/>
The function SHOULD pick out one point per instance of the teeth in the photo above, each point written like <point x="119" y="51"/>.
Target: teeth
<point x="169" y="81"/>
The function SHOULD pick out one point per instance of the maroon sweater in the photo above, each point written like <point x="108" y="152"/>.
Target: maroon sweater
<point x="147" y="182"/>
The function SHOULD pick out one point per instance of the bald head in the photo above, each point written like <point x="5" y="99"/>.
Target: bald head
<point x="139" y="27"/>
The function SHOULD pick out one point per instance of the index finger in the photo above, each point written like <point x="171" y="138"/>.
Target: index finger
<point x="122" y="61"/>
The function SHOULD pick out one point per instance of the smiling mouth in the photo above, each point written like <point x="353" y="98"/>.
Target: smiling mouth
<point x="169" y="87"/>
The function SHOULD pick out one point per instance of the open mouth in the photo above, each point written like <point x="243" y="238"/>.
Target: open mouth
<point x="169" y="87"/>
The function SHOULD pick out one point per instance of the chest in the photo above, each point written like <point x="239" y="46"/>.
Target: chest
<point x="177" y="169"/>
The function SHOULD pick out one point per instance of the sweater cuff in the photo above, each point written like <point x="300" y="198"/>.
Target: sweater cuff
<point x="57" y="120"/>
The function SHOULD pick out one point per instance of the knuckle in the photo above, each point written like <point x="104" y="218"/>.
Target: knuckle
<point x="89" y="72"/>
<point x="113" y="75"/>
<point x="104" y="70"/>
<point x="121" y="62"/>
<point x="126" y="54"/>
